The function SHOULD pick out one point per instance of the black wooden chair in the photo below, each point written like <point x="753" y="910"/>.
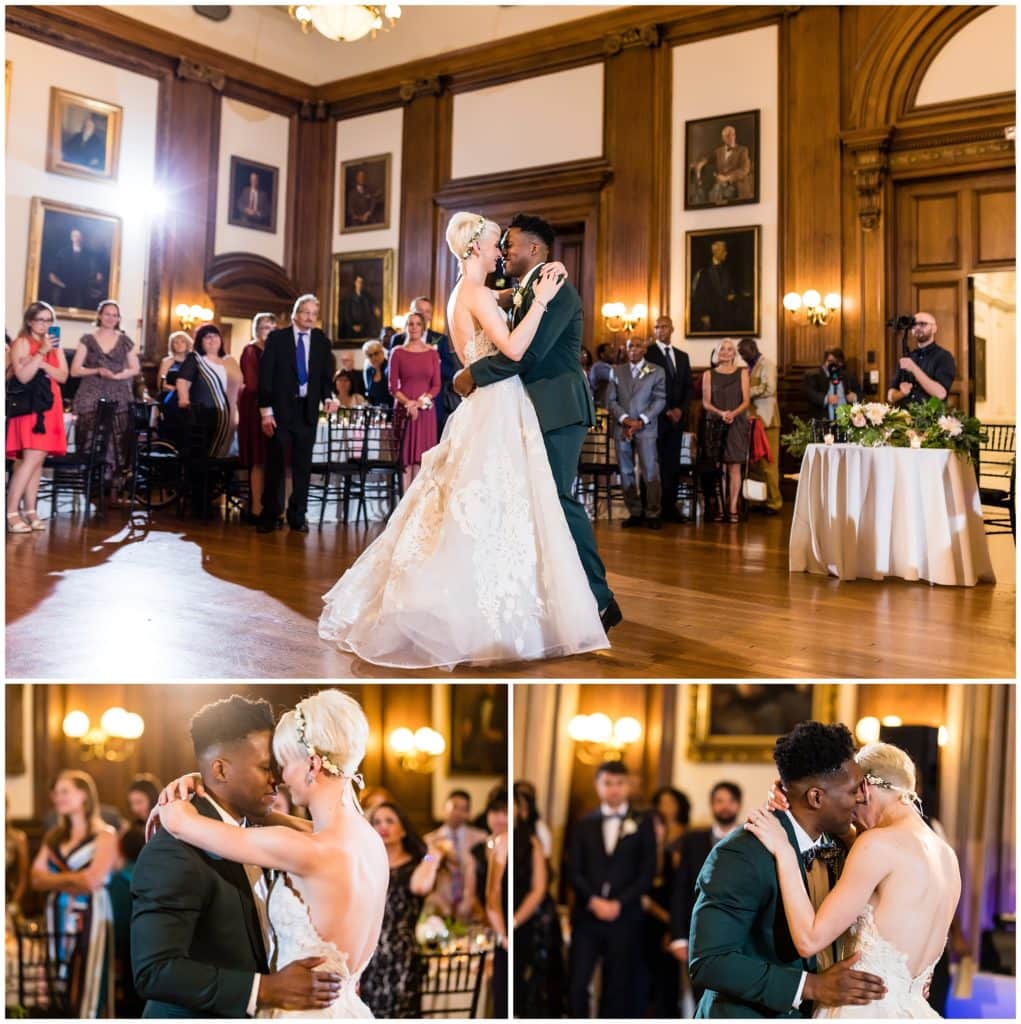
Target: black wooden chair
<point x="204" y="477"/>
<point x="450" y="984"/>
<point x="383" y="477"/>
<point x="598" y="467"/>
<point x="156" y="467"/>
<point x="338" y="464"/>
<point x="83" y="471"/>
<point x="50" y="971"/>
<point x="996" y="471"/>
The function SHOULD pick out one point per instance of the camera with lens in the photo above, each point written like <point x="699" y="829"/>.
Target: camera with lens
<point x="901" y="323"/>
<point x="836" y="372"/>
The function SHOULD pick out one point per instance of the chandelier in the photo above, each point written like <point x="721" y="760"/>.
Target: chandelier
<point x="346" y="22"/>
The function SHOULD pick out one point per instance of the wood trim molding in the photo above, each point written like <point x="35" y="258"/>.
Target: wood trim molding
<point x="576" y="176"/>
<point x="238" y="282"/>
<point x="413" y="89"/>
<point x="869" y="151"/>
<point x="193" y="71"/>
<point x="643" y="35"/>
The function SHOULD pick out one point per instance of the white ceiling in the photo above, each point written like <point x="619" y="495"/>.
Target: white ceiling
<point x="264" y="34"/>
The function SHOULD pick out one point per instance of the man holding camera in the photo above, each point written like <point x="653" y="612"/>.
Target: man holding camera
<point x="926" y="372"/>
<point x="831" y="386"/>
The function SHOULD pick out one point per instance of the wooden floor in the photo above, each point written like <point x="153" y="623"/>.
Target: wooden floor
<point x="185" y="600"/>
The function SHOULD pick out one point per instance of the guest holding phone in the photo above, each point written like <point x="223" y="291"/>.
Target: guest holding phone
<point x="38" y="362"/>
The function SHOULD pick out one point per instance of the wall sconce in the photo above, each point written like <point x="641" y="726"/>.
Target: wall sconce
<point x="867" y="729"/>
<point x="189" y="316"/>
<point x="598" y="739"/>
<point x="810" y="307"/>
<point x="398" y="322"/>
<point x="417" y="751"/>
<point x="617" y="318"/>
<point x="112" y="740"/>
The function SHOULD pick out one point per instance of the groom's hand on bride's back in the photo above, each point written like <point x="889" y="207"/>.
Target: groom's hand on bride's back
<point x="841" y="985"/>
<point x="464" y="384"/>
<point x="299" y="987"/>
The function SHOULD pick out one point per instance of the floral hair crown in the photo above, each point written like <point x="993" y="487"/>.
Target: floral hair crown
<point x="907" y="796"/>
<point x="328" y="765"/>
<point x="479" y="232"/>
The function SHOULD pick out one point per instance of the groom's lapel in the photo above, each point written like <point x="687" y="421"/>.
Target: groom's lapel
<point x="526" y="298"/>
<point x="793" y="839"/>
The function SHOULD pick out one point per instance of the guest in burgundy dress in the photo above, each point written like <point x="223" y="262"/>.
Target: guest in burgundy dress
<point x="251" y="440"/>
<point x="414" y="373"/>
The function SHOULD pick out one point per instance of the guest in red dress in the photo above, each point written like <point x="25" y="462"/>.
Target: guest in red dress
<point x="251" y="440"/>
<point x="414" y="373"/>
<point x="30" y="440"/>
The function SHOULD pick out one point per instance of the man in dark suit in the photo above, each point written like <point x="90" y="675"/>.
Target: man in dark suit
<point x="295" y="377"/>
<point x="674" y="418"/>
<point x="742" y="954"/>
<point x="612" y="865"/>
<point x="725" y="806"/>
<point x="199" y="925"/>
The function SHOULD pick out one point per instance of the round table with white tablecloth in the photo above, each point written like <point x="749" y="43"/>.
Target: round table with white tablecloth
<point x="877" y="512"/>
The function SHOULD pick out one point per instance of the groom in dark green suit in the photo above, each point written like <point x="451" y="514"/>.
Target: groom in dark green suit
<point x="741" y="952"/>
<point x="551" y="372"/>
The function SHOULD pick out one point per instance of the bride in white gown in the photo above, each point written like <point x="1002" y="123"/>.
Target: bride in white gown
<point x="477" y="563"/>
<point x="897" y="893"/>
<point x="330" y="893"/>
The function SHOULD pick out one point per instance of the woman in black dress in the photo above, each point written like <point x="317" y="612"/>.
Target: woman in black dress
<point x="391" y="985"/>
<point x="726" y="396"/>
<point x="538" y="945"/>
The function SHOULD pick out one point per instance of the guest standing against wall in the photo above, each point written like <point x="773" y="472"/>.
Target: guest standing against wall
<point x="251" y="440"/>
<point x="762" y="389"/>
<point x="414" y="377"/>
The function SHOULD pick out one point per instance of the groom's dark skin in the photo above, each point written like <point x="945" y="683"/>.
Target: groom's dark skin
<point x="521" y="252"/>
<point x="238" y="776"/>
<point x="826" y="804"/>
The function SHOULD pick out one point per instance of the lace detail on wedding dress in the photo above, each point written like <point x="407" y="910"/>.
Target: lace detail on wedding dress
<point x="296" y="938"/>
<point x="905" y="994"/>
<point x="478" y="347"/>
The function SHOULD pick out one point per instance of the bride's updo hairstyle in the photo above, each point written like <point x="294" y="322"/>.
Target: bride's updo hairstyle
<point x="465" y="229"/>
<point x="889" y="767"/>
<point x="330" y="724"/>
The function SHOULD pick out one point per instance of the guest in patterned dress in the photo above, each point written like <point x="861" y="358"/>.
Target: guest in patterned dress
<point x="34" y="435"/>
<point x="251" y="439"/>
<point x="392" y="984"/>
<point x="210" y="380"/>
<point x="107" y="363"/>
<point x="414" y="375"/>
<point x="73" y="866"/>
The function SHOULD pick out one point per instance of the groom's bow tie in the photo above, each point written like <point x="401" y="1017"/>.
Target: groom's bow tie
<point x="609" y="817"/>
<point x="826" y="851"/>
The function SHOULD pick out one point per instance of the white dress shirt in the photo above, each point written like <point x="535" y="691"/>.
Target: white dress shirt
<point x="260" y="892"/>
<point x="611" y="826"/>
<point x="805" y="842"/>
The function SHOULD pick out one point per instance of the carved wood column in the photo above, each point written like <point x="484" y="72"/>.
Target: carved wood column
<point x="313" y="173"/>
<point x="630" y="235"/>
<point x="425" y="168"/>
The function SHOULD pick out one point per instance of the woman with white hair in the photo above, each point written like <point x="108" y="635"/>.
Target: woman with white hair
<point x="477" y="564"/>
<point x="329" y="897"/>
<point x="897" y="892"/>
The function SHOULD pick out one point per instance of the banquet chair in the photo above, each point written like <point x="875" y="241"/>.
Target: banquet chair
<point x="50" y="970"/>
<point x="598" y="462"/>
<point x="156" y="465"/>
<point x="83" y="472"/>
<point x="204" y="477"/>
<point x="997" y="468"/>
<point x="339" y="463"/>
<point x="451" y="983"/>
<point x="383" y="465"/>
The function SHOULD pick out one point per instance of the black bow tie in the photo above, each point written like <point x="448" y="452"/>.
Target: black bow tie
<point x="609" y="817"/>
<point x="826" y="851"/>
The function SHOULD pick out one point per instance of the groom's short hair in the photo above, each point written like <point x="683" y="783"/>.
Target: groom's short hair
<point x="534" y="226"/>
<point x="229" y="720"/>
<point x="812" y="749"/>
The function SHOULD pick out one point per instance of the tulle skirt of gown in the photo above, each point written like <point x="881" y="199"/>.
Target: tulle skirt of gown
<point x="477" y="563"/>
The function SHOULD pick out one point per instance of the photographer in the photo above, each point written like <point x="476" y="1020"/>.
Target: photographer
<point x="928" y="371"/>
<point x="830" y="386"/>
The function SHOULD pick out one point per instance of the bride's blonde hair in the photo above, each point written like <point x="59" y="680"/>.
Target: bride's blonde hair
<point x="332" y="724"/>
<point x="465" y="229"/>
<point x="889" y="767"/>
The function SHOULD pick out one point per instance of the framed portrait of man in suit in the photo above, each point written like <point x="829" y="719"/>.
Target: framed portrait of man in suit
<point x="721" y="160"/>
<point x="253" y="195"/>
<point x="478" y="729"/>
<point x="741" y="721"/>
<point x="74" y="258"/>
<point x="361" y="296"/>
<point x="722" y="286"/>
<point x="84" y="136"/>
<point x="365" y="194"/>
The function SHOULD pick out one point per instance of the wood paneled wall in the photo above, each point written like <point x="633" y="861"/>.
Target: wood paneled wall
<point x="850" y="133"/>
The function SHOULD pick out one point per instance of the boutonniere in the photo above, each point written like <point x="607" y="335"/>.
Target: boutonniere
<point x="518" y="297"/>
<point x="628" y="827"/>
<point x="645" y="371"/>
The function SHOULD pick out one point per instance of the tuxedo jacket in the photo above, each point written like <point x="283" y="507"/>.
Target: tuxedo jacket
<point x="695" y="848"/>
<point x="196" y="942"/>
<point x="679" y="386"/>
<point x="551" y="368"/>
<point x="278" y="377"/>
<point x="634" y="397"/>
<point x="741" y="951"/>
<point x="626" y="875"/>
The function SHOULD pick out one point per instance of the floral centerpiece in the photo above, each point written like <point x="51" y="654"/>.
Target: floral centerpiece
<point x="929" y="424"/>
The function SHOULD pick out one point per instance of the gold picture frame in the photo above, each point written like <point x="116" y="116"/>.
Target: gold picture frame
<point x="750" y="708"/>
<point x="352" y="323"/>
<point x="721" y="299"/>
<point x="72" y="278"/>
<point x="371" y="210"/>
<point x="74" y="151"/>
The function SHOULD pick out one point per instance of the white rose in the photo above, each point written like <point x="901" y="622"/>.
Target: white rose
<point x="876" y="413"/>
<point x="628" y="827"/>
<point x="950" y="425"/>
<point x="858" y="419"/>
